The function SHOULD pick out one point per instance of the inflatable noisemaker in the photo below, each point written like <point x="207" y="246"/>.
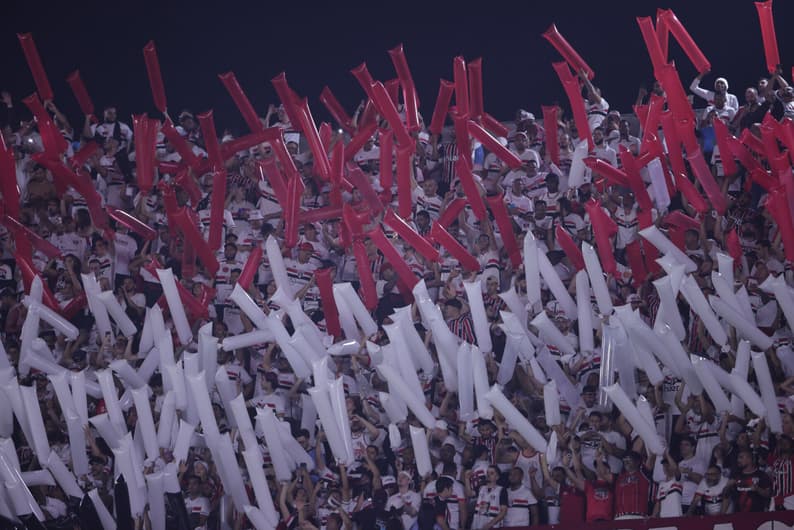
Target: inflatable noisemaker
<point x="404" y="170"/>
<point x="386" y="141"/>
<point x="516" y="419"/>
<point x="476" y="107"/>
<point x="676" y="96"/>
<point x="706" y="179"/>
<point x="194" y="238"/>
<point x="336" y="110"/>
<point x="494" y="125"/>
<point x="364" y="185"/>
<point x="465" y="383"/>
<point x="368" y="291"/>
<point x="778" y="206"/>
<point x="691" y="194"/>
<point x="330" y="311"/>
<point x="59" y="324"/>
<point x="389" y="112"/>
<point x="36" y="68"/>
<point x="8" y="180"/>
<point x="551" y="403"/>
<point x="607" y="170"/>
<point x="584" y="312"/>
<point x="451" y="212"/>
<point x="440" y="235"/>
<point x="564" y="48"/>
<point x="698" y="303"/>
<point x="710" y="383"/>
<point x="739" y="151"/>
<point x="480" y="375"/>
<point x="155" y="78"/>
<point x="39" y="243"/>
<point x="551" y="335"/>
<point x="356" y="307"/>
<point x="480" y="320"/>
<point x="175" y="306"/>
<point x="531" y="269"/>
<point x="662" y="32"/>
<point x="132" y="223"/>
<point x="683" y="37"/>
<point x="603" y="229"/>
<point x="445" y="90"/>
<point x="309" y="128"/>
<point x="80" y="93"/>
<point x="745" y="328"/>
<point x="144" y="411"/>
<point x="597" y="280"/>
<point x="361" y="137"/>
<point x="398" y="386"/>
<point x="461" y="81"/>
<point x="493" y="145"/>
<point x="497" y="205"/>
<point x="295" y="189"/>
<point x="241" y="101"/>
<point x="652" y="43"/>
<point x="393" y="256"/>
<point x="51" y="137"/>
<point x="768" y="395"/>
<point x="397" y="55"/>
<point x="277" y="267"/>
<point x="550" y="119"/>
<point x="145" y="137"/>
<point x="250" y="268"/>
<point x="573" y="254"/>
<point x="410" y="236"/>
<point x="470" y="187"/>
<point x="288" y="98"/>
<point x="768" y="35"/>
<point x="633" y="416"/>
<point x="783" y="295"/>
<point x="639" y="272"/>
<point x="254" y="463"/>
<point x="574" y="92"/>
<point x="365" y="79"/>
<point x="632" y="171"/>
<point x="665" y="246"/>
<point x="421" y="451"/>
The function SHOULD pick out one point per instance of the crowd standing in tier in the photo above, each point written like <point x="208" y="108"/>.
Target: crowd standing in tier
<point x="482" y="471"/>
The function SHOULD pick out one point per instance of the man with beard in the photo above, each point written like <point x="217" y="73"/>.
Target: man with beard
<point x="750" y="487"/>
<point x="602" y="150"/>
<point x="709" y="497"/>
<point x="109" y="128"/>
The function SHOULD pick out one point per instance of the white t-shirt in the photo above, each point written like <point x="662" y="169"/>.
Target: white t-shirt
<point x="518" y="503"/>
<point x="669" y="495"/>
<point x="712" y="495"/>
<point x="695" y="465"/>
<point x="401" y="500"/>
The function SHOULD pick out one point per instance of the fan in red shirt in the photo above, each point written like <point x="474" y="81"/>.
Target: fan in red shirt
<point x="632" y="487"/>
<point x="598" y="492"/>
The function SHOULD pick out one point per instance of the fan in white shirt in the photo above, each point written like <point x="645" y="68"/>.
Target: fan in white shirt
<point x="668" y="496"/>
<point x="720" y="87"/>
<point x="522" y="506"/>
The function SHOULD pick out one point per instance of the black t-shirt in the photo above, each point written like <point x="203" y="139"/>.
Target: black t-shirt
<point x="746" y="499"/>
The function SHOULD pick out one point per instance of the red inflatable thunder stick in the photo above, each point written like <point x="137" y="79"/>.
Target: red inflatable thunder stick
<point x="180" y="144"/>
<point x="768" y="35"/>
<point x="80" y="93"/>
<point x="8" y="180"/>
<point x="734" y="246"/>
<point x="726" y="156"/>
<point x="51" y="137"/>
<point x="566" y="50"/>
<point x="389" y="112"/>
<point x="550" y="119"/>
<point x="386" y="156"/>
<point x="393" y="89"/>
<point x="145" y="138"/>
<point x="132" y="223"/>
<point x="634" y="256"/>
<point x="36" y="68"/>
<point x="241" y="101"/>
<point x="445" y="90"/>
<point x="574" y="92"/>
<point x="493" y="145"/>
<point x="632" y="170"/>
<point x="393" y="256"/>
<point x="193" y="237"/>
<point x="652" y="44"/>
<point x="295" y="188"/>
<point x="568" y="245"/>
<point x="410" y="98"/>
<point x="662" y="33"/>
<point x="494" y="125"/>
<point x="778" y="207"/>
<point x="288" y="98"/>
<point x="336" y="110"/>
<point x="363" y="134"/>
<point x="250" y="267"/>
<point x="410" y="236"/>
<point x="706" y="179"/>
<point x="404" y="157"/>
<point x="155" y="78"/>
<point x="330" y="311"/>
<point x="460" y="76"/>
<point x="440" y="235"/>
<point x="603" y="228"/>
<point x="309" y="128"/>
<point x="499" y="210"/>
<point x="607" y="170"/>
<point x="368" y="292"/>
<point x="686" y="41"/>
<point x="38" y="242"/>
<point x="476" y="106"/>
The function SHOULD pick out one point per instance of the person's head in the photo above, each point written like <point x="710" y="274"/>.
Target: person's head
<point x="589" y="396"/>
<point x="552" y="183"/>
<point x="109" y="114"/>
<point x="516" y="477"/>
<point x="631" y="461"/>
<point x="430" y="187"/>
<point x="422" y="220"/>
<point x="305" y="252"/>
<point x="230" y="251"/>
<point x="623" y="128"/>
<point x="520" y="141"/>
<point x="404" y="480"/>
<point x="751" y="96"/>
<point x="492" y="475"/>
<point x="517" y="186"/>
<point x="452" y="308"/>
<point x="447" y="453"/>
<point x="720" y="86"/>
<point x="540" y="209"/>
<point x="713" y="475"/>
<point x="686" y="447"/>
<point x="444" y="487"/>
<point x="745" y="460"/>
<point x="486" y="429"/>
<point x="598" y="136"/>
<point x="784" y="444"/>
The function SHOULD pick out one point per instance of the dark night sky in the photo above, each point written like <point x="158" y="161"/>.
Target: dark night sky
<point x="319" y="45"/>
